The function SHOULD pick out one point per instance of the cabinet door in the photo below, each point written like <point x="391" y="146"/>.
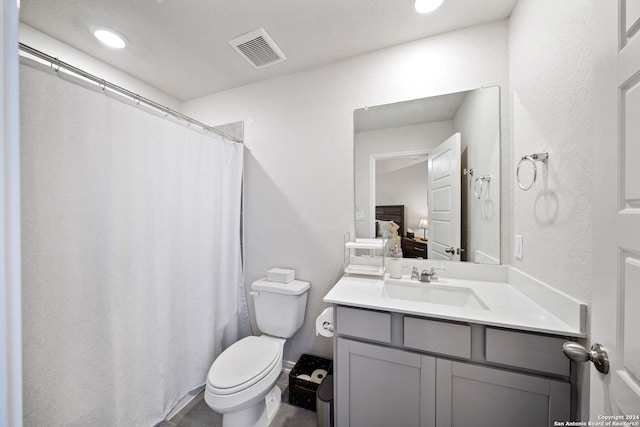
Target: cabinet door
<point x="381" y="386"/>
<point x="470" y="395"/>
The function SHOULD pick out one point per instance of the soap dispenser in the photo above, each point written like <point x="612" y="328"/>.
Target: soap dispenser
<point x="395" y="263"/>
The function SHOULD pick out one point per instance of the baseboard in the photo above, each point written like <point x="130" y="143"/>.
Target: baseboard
<point x="184" y="402"/>
<point x="287" y="366"/>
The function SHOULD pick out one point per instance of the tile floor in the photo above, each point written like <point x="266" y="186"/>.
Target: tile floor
<point x="198" y="414"/>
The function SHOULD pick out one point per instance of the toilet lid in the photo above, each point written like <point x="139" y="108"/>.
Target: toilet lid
<point x="243" y="364"/>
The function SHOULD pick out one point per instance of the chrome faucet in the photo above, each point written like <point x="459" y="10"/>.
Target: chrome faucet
<point x="429" y="276"/>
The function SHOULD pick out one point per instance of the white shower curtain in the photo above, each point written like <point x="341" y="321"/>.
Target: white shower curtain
<point x="132" y="272"/>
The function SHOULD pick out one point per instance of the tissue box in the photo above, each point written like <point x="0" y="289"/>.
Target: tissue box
<point x="281" y="275"/>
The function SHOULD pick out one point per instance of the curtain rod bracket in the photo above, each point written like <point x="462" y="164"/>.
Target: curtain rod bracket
<point x="56" y="62"/>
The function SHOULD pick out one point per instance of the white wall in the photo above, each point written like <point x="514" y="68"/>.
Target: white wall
<point x="478" y="119"/>
<point x="44" y="43"/>
<point x="390" y="140"/>
<point x="299" y="195"/>
<point x="551" y="72"/>
<point x="406" y="186"/>
<point x="551" y="76"/>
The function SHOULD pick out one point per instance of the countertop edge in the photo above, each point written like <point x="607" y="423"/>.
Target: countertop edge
<point x="570" y="323"/>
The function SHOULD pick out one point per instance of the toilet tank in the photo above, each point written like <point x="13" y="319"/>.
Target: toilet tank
<point x="279" y="307"/>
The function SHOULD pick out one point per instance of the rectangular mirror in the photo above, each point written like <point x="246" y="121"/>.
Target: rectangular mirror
<point x="428" y="171"/>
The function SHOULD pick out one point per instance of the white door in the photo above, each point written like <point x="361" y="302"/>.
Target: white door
<point x="444" y="200"/>
<point x="616" y="200"/>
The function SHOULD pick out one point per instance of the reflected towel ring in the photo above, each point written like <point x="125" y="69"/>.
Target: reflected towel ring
<point x="477" y="189"/>
<point x="533" y="158"/>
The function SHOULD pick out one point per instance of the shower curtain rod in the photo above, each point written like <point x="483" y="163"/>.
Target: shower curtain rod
<point x="55" y="62"/>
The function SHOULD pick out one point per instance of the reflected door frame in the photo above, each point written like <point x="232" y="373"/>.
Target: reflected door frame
<point x="373" y="157"/>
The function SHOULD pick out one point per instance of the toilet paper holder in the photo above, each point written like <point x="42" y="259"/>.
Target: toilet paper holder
<point x="328" y="326"/>
<point x="324" y="323"/>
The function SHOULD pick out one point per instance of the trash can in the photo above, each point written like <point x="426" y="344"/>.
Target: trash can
<point x="324" y="403"/>
<point x="305" y="379"/>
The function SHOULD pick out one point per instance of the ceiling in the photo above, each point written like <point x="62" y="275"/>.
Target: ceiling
<point x="385" y="166"/>
<point x="408" y="113"/>
<point x="181" y="46"/>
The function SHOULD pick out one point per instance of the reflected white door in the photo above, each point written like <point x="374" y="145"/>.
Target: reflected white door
<point x="444" y="200"/>
<point x="616" y="200"/>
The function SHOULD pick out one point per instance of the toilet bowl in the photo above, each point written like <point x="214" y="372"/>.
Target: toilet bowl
<point x="241" y="383"/>
<point x="241" y="378"/>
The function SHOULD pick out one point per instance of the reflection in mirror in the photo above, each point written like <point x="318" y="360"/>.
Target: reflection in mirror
<point x="432" y="166"/>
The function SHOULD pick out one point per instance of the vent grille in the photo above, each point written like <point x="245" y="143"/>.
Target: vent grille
<point x="258" y="48"/>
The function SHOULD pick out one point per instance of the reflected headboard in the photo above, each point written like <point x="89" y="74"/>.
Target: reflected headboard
<point x="393" y="213"/>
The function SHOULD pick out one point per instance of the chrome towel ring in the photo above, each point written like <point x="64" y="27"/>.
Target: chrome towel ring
<point x="533" y="158"/>
<point x="478" y="184"/>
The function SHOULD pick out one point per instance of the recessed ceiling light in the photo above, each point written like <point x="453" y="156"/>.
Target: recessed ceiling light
<point x="109" y="37"/>
<point x="426" y="6"/>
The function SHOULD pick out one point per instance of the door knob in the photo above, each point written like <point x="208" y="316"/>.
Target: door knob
<point x="450" y="251"/>
<point x="578" y="353"/>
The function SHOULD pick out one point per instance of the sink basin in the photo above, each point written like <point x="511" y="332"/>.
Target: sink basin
<point x="432" y="293"/>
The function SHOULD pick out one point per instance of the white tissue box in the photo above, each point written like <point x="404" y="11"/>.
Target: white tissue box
<point x="281" y="275"/>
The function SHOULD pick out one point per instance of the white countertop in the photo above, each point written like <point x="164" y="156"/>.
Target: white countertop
<point x="508" y="307"/>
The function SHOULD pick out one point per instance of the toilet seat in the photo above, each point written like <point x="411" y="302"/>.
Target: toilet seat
<point x="243" y="364"/>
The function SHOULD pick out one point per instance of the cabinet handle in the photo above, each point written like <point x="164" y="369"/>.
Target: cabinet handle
<point x="418" y="249"/>
<point x="578" y="353"/>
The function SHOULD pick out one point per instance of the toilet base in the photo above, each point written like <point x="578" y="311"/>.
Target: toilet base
<point x="258" y="415"/>
<point x="272" y="402"/>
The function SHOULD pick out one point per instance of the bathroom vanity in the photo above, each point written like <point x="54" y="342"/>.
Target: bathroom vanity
<point x="454" y="352"/>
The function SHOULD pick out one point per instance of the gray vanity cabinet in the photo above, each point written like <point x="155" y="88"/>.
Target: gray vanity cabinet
<point x="397" y="370"/>
<point x="472" y="395"/>
<point x="381" y="386"/>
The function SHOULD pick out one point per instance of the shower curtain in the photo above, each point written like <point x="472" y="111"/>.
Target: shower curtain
<point x="132" y="271"/>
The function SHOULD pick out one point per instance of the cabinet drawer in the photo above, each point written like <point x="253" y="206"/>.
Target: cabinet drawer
<point x="529" y="351"/>
<point x="451" y="339"/>
<point x="369" y="324"/>
<point x="414" y="250"/>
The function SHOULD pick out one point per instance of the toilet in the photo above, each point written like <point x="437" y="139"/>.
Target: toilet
<point x="241" y="383"/>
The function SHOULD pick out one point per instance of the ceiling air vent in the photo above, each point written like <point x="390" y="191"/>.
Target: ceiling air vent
<point x="258" y="48"/>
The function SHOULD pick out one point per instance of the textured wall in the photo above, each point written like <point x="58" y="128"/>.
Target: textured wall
<point x="299" y="196"/>
<point x="551" y="76"/>
<point x="406" y="187"/>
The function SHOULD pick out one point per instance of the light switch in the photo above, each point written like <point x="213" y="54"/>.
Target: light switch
<point x="359" y="215"/>
<point x="517" y="246"/>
